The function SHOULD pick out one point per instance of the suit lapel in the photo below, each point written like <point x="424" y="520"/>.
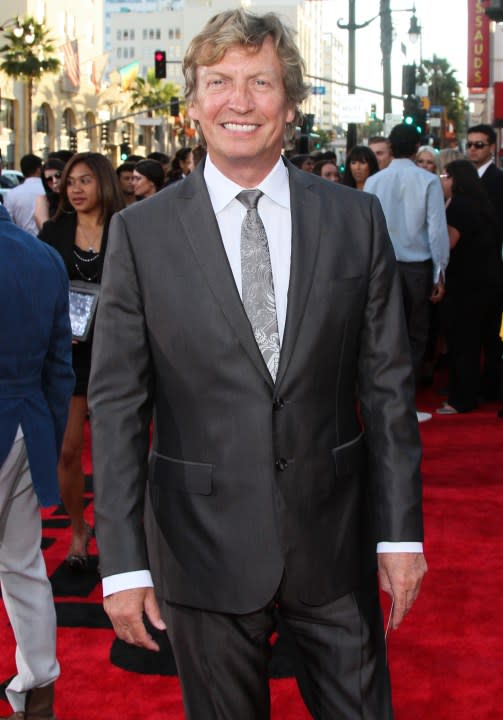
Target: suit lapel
<point x="202" y="232"/>
<point x="305" y="211"/>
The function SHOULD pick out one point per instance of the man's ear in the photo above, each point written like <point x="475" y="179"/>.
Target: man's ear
<point x="192" y="112"/>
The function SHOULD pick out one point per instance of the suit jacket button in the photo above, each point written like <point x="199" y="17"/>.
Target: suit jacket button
<point x="278" y="404"/>
<point x="281" y="464"/>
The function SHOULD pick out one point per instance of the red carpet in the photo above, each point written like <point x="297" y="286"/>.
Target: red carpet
<point x="445" y="661"/>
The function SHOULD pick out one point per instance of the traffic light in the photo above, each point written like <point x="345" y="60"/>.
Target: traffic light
<point x="373" y="111"/>
<point x="160" y="64"/>
<point x="412" y="113"/>
<point x="494" y="10"/>
<point x="105" y="135"/>
<point x="174" y="107"/>
<point x="408" y="79"/>
<point x="125" y="151"/>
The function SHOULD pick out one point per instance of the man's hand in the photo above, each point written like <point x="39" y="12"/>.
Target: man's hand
<point x="125" y="609"/>
<point x="401" y="575"/>
<point x="437" y="292"/>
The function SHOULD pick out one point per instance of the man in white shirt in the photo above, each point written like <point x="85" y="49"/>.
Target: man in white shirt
<point x="413" y="204"/>
<point x="381" y="148"/>
<point x="255" y="310"/>
<point x="20" y="202"/>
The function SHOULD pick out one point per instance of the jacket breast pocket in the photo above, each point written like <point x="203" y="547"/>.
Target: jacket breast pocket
<point x="171" y="474"/>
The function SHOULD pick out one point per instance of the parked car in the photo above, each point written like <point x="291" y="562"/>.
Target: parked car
<point x="9" y="179"/>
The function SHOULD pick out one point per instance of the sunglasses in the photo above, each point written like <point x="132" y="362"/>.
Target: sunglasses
<point x="477" y="144"/>
<point x="51" y="178"/>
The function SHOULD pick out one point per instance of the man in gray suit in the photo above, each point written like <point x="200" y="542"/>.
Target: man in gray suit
<point x="255" y="312"/>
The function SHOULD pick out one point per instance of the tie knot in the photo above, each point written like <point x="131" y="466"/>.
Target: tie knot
<point x="249" y="198"/>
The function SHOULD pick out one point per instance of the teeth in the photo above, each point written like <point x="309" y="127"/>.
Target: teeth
<point x="240" y="128"/>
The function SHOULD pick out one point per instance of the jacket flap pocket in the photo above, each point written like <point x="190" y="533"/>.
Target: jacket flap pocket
<point x="190" y="477"/>
<point x="350" y="456"/>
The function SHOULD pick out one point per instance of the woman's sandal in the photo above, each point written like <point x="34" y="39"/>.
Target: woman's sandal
<point x="78" y="561"/>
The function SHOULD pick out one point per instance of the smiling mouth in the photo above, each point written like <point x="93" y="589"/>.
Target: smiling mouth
<point x="240" y="127"/>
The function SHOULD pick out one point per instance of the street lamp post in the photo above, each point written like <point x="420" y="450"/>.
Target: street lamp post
<point x="386" y="46"/>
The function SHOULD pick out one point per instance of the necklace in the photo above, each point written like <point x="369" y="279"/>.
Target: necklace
<point x="90" y="243"/>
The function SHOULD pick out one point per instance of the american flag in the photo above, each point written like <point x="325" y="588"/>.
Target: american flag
<point x="71" y="67"/>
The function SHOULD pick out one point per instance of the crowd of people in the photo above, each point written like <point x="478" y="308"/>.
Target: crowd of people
<point x="450" y="223"/>
<point x="278" y="373"/>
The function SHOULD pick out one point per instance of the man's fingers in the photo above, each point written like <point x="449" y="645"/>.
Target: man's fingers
<point x="136" y="634"/>
<point x="401" y="575"/>
<point x="152" y="611"/>
<point x="125" y="610"/>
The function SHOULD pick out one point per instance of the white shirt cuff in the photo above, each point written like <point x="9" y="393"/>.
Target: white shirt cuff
<point x="126" y="581"/>
<point x="406" y="547"/>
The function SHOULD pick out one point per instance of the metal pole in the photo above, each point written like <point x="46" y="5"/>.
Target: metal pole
<point x="351" y="137"/>
<point x="386" y="46"/>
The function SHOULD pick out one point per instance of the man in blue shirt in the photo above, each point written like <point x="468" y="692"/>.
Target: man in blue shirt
<point x="413" y="204"/>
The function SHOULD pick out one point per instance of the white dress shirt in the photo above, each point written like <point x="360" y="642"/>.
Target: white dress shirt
<point x="481" y="170"/>
<point x="20" y="202"/>
<point x="274" y="210"/>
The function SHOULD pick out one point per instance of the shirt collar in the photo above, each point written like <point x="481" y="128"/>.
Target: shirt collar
<point x="481" y="170"/>
<point x="222" y="190"/>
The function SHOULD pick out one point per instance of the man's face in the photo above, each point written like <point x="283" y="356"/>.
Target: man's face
<point x="241" y="106"/>
<point x="478" y="149"/>
<point x="383" y="154"/>
<point x="126" y="182"/>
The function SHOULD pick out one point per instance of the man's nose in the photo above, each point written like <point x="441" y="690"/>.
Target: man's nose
<point x="241" y="98"/>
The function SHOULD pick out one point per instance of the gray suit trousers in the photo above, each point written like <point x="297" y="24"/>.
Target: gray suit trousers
<point x="26" y="590"/>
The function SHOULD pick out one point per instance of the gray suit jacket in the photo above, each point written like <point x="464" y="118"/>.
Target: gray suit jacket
<point x="247" y="479"/>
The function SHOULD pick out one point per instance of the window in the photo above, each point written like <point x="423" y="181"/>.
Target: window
<point x="131" y="34"/>
<point x="125" y="53"/>
<point x="144" y="33"/>
<point x="7" y="114"/>
<point x="119" y="34"/>
<point x="42" y="121"/>
<point x="170" y="34"/>
<point x="125" y="35"/>
<point x="157" y="34"/>
<point x="178" y="33"/>
<point x="119" y="52"/>
<point x="151" y="34"/>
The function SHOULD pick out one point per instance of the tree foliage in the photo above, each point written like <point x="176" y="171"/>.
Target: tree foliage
<point x="153" y="94"/>
<point x="30" y="55"/>
<point x="443" y="88"/>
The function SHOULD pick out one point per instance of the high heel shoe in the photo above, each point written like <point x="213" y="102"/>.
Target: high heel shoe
<point x="78" y="561"/>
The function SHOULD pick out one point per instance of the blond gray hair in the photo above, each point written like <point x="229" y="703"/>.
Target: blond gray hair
<point x="240" y="27"/>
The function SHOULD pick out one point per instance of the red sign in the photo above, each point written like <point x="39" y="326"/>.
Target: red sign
<point x="478" y="46"/>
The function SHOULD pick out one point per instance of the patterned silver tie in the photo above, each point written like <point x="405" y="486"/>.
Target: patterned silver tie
<point x="257" y="282"/>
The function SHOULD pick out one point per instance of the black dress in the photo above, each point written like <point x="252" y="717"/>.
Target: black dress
<point x="465" y="301"/>
<point x="81" y="265"/>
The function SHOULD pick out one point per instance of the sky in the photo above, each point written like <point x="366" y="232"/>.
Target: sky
<point x="444" y="33"/>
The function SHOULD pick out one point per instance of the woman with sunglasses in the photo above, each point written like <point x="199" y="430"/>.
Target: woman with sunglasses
<point x="89" y="195"/>
<point x="472" y="240"/>
<point x="46" y="205"/>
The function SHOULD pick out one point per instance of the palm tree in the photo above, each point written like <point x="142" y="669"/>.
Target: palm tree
<point x="443" y="89"/>
<point x="27" y="55"/>
<point x="153" y="95"/>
